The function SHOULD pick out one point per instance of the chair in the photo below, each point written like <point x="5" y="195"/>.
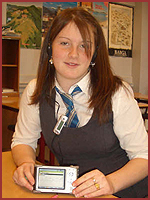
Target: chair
<point x="144" y="110"/>
<point x="42" y="153"/>
<point x="11" y="127"/>
<point x="145" y="116"/>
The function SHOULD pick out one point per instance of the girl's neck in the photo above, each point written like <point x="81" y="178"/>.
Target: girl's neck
<point x="66" y="84"/>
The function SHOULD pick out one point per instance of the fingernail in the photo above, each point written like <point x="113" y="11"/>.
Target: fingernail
<point x="33" y="182"/>
<point x="73" y="184"/>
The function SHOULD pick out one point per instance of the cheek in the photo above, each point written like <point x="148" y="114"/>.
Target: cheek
<point x="57" y="55"/>
<point x="87" y="61"/>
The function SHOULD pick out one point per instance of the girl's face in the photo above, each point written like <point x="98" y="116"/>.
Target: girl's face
<point x="69" y="56"/>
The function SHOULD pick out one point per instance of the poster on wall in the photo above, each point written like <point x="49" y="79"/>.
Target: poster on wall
<point x="120" y="34"/>
<point x="26" y="21"/>
<point x="51" y="9"/>
<point x="99" y="10"/>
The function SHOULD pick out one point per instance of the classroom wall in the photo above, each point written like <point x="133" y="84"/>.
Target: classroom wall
<point x="133" y="70"/>
<point x="140" y="50"/>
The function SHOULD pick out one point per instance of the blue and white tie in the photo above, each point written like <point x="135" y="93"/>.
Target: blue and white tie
<point x="73" y="120"/>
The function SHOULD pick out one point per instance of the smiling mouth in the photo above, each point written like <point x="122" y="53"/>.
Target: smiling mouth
<point x="71" y="64"/>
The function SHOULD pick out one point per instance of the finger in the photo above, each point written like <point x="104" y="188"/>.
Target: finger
<point x="15" y="177"/>
<point x="95" y="193"/>
<point x="86" y="191"/>
<point x="83" y="186"/>
<point x="29" y="174"/>
<point x="85" y="177"/>
<point x="29" y="178"/>
<point x="22" y="181"/>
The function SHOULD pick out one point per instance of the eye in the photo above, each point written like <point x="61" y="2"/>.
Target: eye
<point x="82" y="46"/>
<point x="85" y="45"/>
<point x="64" y="43"/>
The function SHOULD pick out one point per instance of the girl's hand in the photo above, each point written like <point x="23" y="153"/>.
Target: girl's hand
<point x="92" y="184"/>
<point x="23" y="175"/>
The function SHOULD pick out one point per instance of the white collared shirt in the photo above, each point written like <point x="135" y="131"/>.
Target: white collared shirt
<point x="127" y="119"/>
<point x="80" y="101"/>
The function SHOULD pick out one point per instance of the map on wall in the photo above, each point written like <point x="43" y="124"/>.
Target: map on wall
<point x="120" y="30"/>
<point x="25" y="20"/>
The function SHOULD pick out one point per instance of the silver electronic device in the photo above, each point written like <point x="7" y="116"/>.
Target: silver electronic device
<point x="55" y="179"/>
<point x="60" y="124"/>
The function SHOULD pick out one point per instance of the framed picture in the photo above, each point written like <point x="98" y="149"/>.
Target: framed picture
<point x="25" y="20"/>
<point x="120" y="31"/>
<point x="51" y="9"/>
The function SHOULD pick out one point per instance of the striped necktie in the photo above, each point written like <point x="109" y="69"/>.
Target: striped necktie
<point x="73" y="120"/>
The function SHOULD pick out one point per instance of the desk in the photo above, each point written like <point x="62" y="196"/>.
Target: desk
<point x="11" y="103"/>
<point x="11" y="190"/>
<point x="143" y="105"/>
<point x="141" y="97"/>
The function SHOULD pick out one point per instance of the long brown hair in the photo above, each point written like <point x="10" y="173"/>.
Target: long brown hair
<point x="103" y="83"/>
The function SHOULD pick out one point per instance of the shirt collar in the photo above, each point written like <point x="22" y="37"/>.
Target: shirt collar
<point x="83" y="84"/>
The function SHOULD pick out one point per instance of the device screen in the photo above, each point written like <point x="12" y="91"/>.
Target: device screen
<point x="51" y="178"/>
<point x="60" y="125"/>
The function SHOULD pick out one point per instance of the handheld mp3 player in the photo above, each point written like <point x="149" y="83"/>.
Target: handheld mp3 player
<point x="60" y="124"/>
<point x="56" y="179"/>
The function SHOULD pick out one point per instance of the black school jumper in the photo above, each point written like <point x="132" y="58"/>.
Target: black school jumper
<point x="90" y="147"/>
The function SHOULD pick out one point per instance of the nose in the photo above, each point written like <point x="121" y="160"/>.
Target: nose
<point x="73" y="52"/>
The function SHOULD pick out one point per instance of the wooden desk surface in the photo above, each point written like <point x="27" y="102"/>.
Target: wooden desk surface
<point x="11" y="102"/>
<point x="140" y="96"/>
<point x="143" y="105"/>
<point x="11" y="190"/>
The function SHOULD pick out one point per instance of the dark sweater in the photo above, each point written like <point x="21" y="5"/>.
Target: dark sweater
<point x="90" y="147"/>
